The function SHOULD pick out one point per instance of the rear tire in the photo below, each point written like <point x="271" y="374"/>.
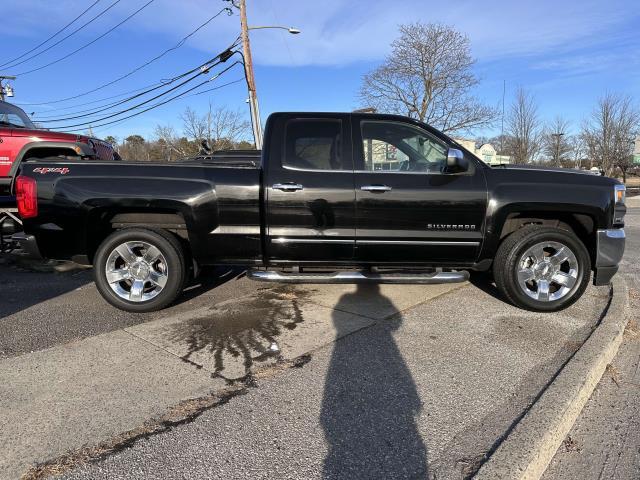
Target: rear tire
<point x="140" y="270"/>
<point x="543" y="269"/>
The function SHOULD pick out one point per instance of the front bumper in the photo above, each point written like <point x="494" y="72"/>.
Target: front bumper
<point x="609" y="251"/>
<point x="28" y="244"/>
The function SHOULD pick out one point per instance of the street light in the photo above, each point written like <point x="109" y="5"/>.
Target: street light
<point x="291" y="30"/>
<point x="248" y="68"/>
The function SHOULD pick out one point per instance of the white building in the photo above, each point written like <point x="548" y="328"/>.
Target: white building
<point x="486" y="152"/>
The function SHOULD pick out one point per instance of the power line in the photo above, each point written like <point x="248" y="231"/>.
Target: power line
<point x="156" y="105"/>
<point x="71" y="107"/>
<point x="113" y="104"/>
<point x="117" y="114"/>
<point x="90" y="43"/>
<point x="178" y="45"/>
<point x="99" y="129"/>
<point x="52" y="36"/>
<point x="175" y="47"/>
<point x="216" y="88"/>
<point x="204" y="68"/>
<point x="64" y="38"/>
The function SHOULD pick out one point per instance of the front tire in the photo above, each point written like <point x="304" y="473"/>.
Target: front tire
<point x="544" y="269"/>
<point x="139" y="270"/>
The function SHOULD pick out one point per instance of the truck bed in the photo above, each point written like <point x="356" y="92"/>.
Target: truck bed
<point x="217" y="203"/>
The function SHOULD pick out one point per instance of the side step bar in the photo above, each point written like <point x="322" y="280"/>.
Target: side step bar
<point x="358" y="277"/>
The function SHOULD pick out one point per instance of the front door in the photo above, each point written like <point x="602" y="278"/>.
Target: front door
<point x="408" y="210"/>
<point x="309" y="189"/>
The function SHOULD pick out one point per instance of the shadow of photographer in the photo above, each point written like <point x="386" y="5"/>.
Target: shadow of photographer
<point x="370" y="402"/>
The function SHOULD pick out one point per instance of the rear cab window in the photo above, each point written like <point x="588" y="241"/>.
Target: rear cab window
<point x="315" y="144"/>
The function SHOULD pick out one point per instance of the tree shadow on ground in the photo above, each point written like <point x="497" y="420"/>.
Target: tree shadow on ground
<point x="370" y="403"/>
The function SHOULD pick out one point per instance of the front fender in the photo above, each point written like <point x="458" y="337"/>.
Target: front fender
<point x="547" y="199"/>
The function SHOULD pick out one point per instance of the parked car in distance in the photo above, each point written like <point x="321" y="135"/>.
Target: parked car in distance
<point x="21" y="140"/>
<point x="332" y="198"/>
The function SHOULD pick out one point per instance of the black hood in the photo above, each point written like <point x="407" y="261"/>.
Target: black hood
<point x="541" y="168"/>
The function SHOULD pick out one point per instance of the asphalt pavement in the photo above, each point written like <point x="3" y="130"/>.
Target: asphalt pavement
<point x="425" y="392"/>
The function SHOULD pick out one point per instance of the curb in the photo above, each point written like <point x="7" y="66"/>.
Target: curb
<point x="531" y="445"/>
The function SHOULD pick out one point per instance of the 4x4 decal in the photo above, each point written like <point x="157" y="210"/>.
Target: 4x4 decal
<point x="45" y="170"/>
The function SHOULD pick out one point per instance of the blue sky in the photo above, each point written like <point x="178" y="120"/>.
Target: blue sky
<point x="567" y="53"/>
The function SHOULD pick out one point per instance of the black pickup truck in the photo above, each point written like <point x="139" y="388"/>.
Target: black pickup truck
<point x="332" y="198"/>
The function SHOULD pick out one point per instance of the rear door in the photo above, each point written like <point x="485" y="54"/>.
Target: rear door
<point x="408" y="210"/>
<point x="310" y="199"/>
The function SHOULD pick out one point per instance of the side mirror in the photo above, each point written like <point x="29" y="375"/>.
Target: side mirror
<point x="456" y="163"/>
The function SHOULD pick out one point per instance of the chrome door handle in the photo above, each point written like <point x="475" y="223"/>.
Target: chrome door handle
<point x="287" y="187"/>
<point x="375" y="188"/>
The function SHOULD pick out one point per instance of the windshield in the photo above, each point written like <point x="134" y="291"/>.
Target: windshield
<point x="13" y="116"/>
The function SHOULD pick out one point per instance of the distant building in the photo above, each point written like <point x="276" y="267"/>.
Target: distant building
<point x="636" y="151"/>
<point x="486" y="152"/>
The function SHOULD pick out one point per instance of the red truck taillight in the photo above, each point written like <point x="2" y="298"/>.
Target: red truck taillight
<point x="27" y="197"/>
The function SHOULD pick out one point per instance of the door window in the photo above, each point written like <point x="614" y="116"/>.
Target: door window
<point x="314" y="144"/>
<point x="398" y="147"/>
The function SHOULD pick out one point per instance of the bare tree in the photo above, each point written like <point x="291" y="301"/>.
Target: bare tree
<point x="609" y="132"/>
<point x="555" y="141"/>
<point x="523" y="129"/>
<point x="428" y="76"/>
<point x="579" y="150"/>
<point x="193" y="125"/>
<point x="225" y="128"/>
<point x="221" y="127"/>
<point x="170" y="144"/>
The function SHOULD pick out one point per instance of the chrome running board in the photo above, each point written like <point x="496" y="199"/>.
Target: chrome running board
<point x="358" y="277"/>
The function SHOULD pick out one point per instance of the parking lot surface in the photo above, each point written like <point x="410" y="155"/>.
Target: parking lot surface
<point x="436" y="373"/>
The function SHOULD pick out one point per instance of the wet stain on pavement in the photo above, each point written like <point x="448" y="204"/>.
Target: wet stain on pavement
<point x="245" y="330"/>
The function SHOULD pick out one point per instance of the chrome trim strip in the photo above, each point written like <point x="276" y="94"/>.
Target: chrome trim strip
<point x="416" y="242"/>
<point x="235" y="230"/>
<point x="358" y="277"/>
<point x="282" y="240"/>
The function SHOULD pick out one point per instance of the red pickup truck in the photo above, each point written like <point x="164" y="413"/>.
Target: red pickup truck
<point x="20" y="140"/>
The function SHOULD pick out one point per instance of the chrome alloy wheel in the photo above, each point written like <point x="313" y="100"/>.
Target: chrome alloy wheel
<point x="548" y="271"/>
<point x="136" y="271"/>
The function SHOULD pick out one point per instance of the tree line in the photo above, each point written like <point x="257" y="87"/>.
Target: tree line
<point x="220" y="128"/>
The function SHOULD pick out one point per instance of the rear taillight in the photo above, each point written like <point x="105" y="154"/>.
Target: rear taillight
<point x="27" y="197"/>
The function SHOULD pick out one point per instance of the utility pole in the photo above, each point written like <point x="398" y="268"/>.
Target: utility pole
<point x="2" y="91"/>
<point x="248" y="70"/>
